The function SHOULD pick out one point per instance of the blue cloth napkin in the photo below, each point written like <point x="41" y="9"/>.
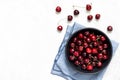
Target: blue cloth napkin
<point x="63" y="69"/>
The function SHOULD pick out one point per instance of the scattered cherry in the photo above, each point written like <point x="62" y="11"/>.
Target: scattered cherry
<point x="58" y="9"/>
<point x="89" y="17"/>
<point x="76" y="12"/>
<point x="59" y="28"/>
<point x="88" y="7"/>
<point x="97" y="16"/>
<point x="109" y="28"/>
<point x="70" y="17"/>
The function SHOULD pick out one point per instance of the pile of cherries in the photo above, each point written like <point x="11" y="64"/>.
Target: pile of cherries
<point x="88" y="50"/>
<point x="76" y="12"/>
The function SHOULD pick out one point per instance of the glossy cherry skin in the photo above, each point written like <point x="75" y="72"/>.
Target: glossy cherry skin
<point x="88" y="7"/>
<point x="59" y="28"/>
<point x="58" y="9"/>
<point x="76" y="12"/>
<point x="69" y="17"/>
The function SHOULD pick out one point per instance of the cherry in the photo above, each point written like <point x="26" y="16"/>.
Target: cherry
<point x="102" y="38"/>
<point x="100" y="56"/>
<point x="87" y="33"/>
<point x="94" y="64"/>
<point x="88" y="40"/>
<point x="93" y="38"/>
<point x="109" y="28"/>
<point x="71" y="50"/>
<point x="80" y="48"/>
<point x="89" y="67"/>
<point x="97" y="16"/>
<point x="99" y="64"/>
<point x="84" y="54"/>
<point x="77" y="62"/>
<point x="95" y="44"/>
<point x="88" y="50"/>
<point x="88" y="7"/>
<point x="59" y="28"/>
<point x="76" y="12"/>
<point x="80" y="36"/>
<point x="72" y="58"/>
<point x="104" y="52"/>
<point x="86" y="61"/>
<point x="83" y="66"/>
<point x="90" y="56"/>
<point x="58" y="9"/>
<point x="100" y="47"/>
<point x="80" y="58"/>
<point x="105" y="46"/>
<point x="72" y="45"/>
<point x="70" y="17"/>
<point x="105" y="57"/>
<point x="95" y="58"/>
<point x="79" y="42"/>
<point x="94" y="51"/>
<point x="75" y="39"/>
<point x="85" y="45"/>
<point x="76" y="53"/>
<point x="89" y="17"/>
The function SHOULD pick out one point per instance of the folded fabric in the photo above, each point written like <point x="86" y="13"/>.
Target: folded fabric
<point x="63" y="69"/>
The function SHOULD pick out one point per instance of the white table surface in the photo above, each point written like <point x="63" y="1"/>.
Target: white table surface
<point x="29" y="40"/>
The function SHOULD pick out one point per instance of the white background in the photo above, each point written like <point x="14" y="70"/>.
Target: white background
<point x="29" y="40"/>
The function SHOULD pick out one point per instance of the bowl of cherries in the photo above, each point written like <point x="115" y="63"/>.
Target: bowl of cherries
<point x="89" y="50"/>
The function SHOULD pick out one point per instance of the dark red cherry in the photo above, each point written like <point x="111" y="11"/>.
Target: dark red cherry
<point x="80" y="58"/>
<point x="87" y="33"/>
<point x="83" y="66"/>
<point x="93" y="38"/>
<point x="72" y="45"/>
<point x="109" y="28"/>
<point x="104" y="52"/>
<point x="102" y="38"/>
<point x="79" y="42"/>
<point x="105" y="46"/>
<point x="100" y="47"/>
<point x="97" y="16"/>
<point x="75" y="39"/>
<point x="85" y="45"/>
<point x="100" y="56"/>
<point x="94" y="64"/>
<point x="77" y="62"/>
<point x="80" y="36"/>
<point x="86" y="61"/>
<point x="95" y="43"/>
<point x="84" y="54"/>
<point x="71" y="50"/>
<point x="59" y="28"/>
<point x="88" y="7"/>
<point x="105" y="57"/>
<point x="99" y="64"/>
<point x="76" y="12"/>
<point x="88" y="40"/>
<point x="89" y="17"/>
<point x="58" y="9"/>
<point x="69" y="17"/>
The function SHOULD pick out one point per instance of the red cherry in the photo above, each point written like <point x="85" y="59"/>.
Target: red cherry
<point x="93" y="38"/>
<point x="109" y="28"/>
<point x="89" y="17"/>
<point x="76" y="12"/>
<point x="88" y="50"/>
<point x="70" y="17"/>
<point x="88" y="7"/>
<point x="76" y="53"/>
<point x="77" y="62"/>
<point x="94" y="51"/>
<point x="72" y="58"/>
<point x="72" y="45"/>
<point x="102" y="38"/>
<point x="75" y="39"/>
<point x="97" y="16"/>
<point x="105" y="57"/>
<point x="95" y="44"/>
<point x="58" y="9"/>
<point x="59" y="28"/>
<point x="79" y="42"/>
<point x="84" y="66"/>
<point x="99" y="64"/>
<point x="104" y="52"/>
<point x="80" y="58"/>
<point x="100" y="47"/>
<point x="105" y="46"/>
<point x="80" y="48"/>
<point x="86" y="61"/>
<point x="80" y="36"/>
<point x="89" y="67"/>
<point x="71" y="50"/>
<point x="85" y="45"/>
<point x="88" y="40"/>
<point x="100" y="56"/>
